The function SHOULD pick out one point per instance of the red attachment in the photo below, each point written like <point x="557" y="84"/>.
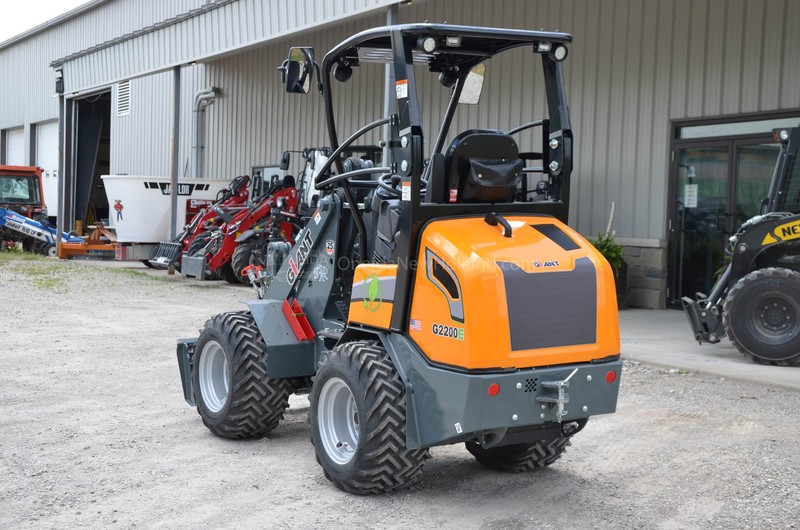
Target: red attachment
<point x="297" y="320"/>
<point x="255" y="268"/>
<point x="611" y="376"/>
<point x="494" y="389"/>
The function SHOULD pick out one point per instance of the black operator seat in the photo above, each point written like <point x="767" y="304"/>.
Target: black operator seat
<point x="481" y="165"/>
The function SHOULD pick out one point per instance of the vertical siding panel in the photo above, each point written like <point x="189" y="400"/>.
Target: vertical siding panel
<point x="660" y="120"/>
<point x="716" y="29"/>
<point x="751" y="59"/>
<point x="627" y="207"/>
<point x="734" y="43"/>
<point x="696" y="58"/>
<point x="772" y="54"/>
<point x="618" y="109"/>
<point x="606" y="62"/>
<point x="576" y="89"/>
<point x="681" y="16"/>
<point x="643" y="176"/>
<point x="587" y="177"/>
<point x="790" y="95"/>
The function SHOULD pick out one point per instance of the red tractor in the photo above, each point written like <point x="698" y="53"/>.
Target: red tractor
<point x="215" y="250"/>
<point x="21" y="192"/>
<point x="168" y="254"/>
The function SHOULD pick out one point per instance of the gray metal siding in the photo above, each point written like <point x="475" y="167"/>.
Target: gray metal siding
<point x="141" y="142"/>
<point x="28" y="84"/>
<point x="254" y="120"/>
<point x="634" y="66"/>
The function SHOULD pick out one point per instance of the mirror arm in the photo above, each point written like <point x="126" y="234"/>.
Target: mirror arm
<point x="524" y="126"/>
<point x="449" y="113"/>
<point x="319" y="78"/>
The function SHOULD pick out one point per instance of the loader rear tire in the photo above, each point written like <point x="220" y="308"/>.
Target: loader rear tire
<point x="226" y="273"/>
<point x="358" y="421"/>
<point x="520" y="457"/>
<point x="241" y="258"/>
<point x="761" y="316"/>
<point x="234" y="396"/>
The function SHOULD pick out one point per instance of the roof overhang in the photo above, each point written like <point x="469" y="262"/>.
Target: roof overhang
<point x="45" y="26"/>
<point x="217" y="29"/>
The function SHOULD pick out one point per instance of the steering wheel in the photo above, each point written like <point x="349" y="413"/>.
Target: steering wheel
<point x="391" y="184"/>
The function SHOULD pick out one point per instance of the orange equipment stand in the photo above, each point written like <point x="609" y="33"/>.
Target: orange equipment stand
<point x="92" y="242"/>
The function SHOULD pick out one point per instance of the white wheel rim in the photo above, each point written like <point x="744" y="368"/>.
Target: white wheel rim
<point x="338" y="422"/>
<point x="214" y="374"/>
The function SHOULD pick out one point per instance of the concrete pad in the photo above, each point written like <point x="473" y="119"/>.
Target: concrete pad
<point x="664" y="338"/>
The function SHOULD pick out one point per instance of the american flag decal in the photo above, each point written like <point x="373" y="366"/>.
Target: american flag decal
<point x="416" y="325"/>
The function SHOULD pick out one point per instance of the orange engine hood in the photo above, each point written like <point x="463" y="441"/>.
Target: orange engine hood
<point x="483" y="301"/>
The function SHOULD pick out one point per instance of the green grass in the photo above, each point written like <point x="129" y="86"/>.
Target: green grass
<point x="41" y="271"/>
<point x="48" y="283"/>
<point x="16" y="255"/>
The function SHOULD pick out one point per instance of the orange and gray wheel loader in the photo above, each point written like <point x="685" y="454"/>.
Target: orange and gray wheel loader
<point x="437" y="300"/>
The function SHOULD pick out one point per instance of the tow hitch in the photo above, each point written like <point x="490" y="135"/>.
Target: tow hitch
<point x="560" y="397"/>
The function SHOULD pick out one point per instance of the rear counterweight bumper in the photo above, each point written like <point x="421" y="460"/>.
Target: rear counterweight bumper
<point x="445" y="406"/>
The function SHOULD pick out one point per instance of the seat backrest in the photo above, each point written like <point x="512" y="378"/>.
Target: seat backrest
<point x="482" y="166"/>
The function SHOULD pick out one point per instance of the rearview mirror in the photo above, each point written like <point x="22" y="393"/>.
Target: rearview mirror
<point x="285" y="160"/>
<point x="297" y="70"/>
<point x="473" y="85"/>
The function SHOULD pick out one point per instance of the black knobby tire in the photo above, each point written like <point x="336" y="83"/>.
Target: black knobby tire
<point x="198" y="243"/>
<point x="234" y="396"/>
<point x="225" y="271"/>
<point x="241" y="258"/>
<point x="358" y="420"/>
<point x="520" y="457"/>
<point x="761" y="316"/>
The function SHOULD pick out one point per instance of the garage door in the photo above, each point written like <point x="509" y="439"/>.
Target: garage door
<point x="15" y="147"/>
<point x="47" y="159"/>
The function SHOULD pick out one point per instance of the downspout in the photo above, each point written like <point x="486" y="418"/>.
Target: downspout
<point x="202" y="99"/>
<point x="176" y="142"/>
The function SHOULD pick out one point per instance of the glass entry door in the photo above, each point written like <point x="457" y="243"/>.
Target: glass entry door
<point x="702" y="217"/>
<point x="717" y="185"/>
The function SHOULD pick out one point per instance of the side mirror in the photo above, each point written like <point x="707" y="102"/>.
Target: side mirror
<point x="473" y="85"/>
<point x="297" y="70"/>
<point x="285" y="157"/>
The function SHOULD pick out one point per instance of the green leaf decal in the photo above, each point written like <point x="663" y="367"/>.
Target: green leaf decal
<point x="374" y="288"/>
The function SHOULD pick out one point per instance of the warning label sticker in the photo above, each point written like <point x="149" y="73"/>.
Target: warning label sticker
<point x="401" y="88"/>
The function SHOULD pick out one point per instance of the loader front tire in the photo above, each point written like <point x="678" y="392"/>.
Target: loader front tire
<point x="520" y="457"/>
<point x="241" y="259"/>
<point x="227" y="273"/>
<point x="358" y="421"/>
<point x="234" y="396"/>
<point x="761" y="316"/>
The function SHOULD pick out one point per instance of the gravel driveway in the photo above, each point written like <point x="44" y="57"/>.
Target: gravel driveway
<point x="94" y="432"/>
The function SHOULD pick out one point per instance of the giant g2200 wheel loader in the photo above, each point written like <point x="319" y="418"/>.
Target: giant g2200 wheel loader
<point x="437" y="300"/>
<point x="756" y="301"/>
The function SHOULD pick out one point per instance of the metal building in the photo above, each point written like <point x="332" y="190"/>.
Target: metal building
<point x="672" y="102"/>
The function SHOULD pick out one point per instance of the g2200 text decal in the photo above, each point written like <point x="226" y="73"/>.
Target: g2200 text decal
<point x="451" y="332"/>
